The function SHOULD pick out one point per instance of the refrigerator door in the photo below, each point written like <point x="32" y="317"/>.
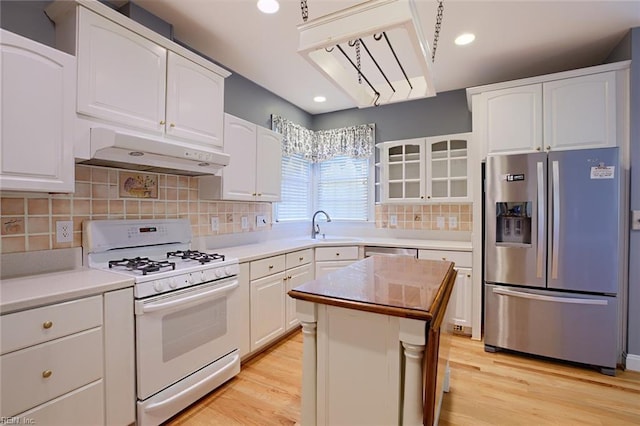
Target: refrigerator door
<point x="569" y="326"/>
<point x="515" y="209"/>
<point x="584" y="220"/>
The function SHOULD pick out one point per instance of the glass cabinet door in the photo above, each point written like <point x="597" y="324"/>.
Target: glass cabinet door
<point x="448" y="172"/>
<point x="404" y="170"/>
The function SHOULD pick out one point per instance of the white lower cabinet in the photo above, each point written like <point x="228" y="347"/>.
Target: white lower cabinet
<point x="460" y="304"/>
<point x="329" y="259"/>
<point x="294" y="278"/>
<point x="267" y="309"/>
<point x="71" y="362"/>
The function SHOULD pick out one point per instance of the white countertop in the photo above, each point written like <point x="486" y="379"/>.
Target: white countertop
<point x="37" y="290"/>
<point x="249" y="252"/>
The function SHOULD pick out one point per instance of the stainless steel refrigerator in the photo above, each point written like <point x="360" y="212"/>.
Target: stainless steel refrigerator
<point x="553" y="255"/>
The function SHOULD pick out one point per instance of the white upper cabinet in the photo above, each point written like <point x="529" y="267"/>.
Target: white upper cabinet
<point x="433" y="169"/>
<point x="195" y="101"/>
<point x="130" y="76"/>
<point x="121" y="75"/>
<point x="513" y="119"/>
<point x="579" y="109"/>
<point x="36" y="117"/>
<point x="254" y="173"/>
<point x="580" y="112"/>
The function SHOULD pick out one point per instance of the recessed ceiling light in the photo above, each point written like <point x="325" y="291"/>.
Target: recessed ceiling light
<point x="268" y="6"/>
<point x="319" y="99"/>
<point x="465" y="38"/>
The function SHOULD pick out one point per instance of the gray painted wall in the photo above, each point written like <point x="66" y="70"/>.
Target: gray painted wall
<point x="27" y="18"/>
<point x="633" y="343"/>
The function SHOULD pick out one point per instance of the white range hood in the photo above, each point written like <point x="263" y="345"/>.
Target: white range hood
<point x="395" y="59"/>
<point x="140" y="152"/>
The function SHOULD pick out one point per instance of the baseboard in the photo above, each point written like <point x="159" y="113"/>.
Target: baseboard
<point x="633" y="362"/>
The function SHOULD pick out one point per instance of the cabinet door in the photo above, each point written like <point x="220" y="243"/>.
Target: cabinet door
<point x="37" y="90"/>
<point x="513" y="119"/>
<point x="268" y="165"/>
<point x="195" y="102"/>
<point x="448" y="168"/>
<point x="580" y="112"/>
<point x="239" y="177"/>
<point x="403" y="171"/>
<point x="267" y="309"/>
<point x="294" y="278"/>
<point x="461" y="297"/>
<point x="121" y="75"/>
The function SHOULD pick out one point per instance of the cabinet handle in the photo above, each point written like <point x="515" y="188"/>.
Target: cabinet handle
<point x="444" y="258"/>
<point x="285" y="278"/>
<point x="254" y="194"/>
<point x="289" y="277"/>
<point x="337" y="254"/>
<point x="47" y="325"/>
<point x="162" y="122"/>
<point x="468" y="275"/>
<point x="46" y="374"/>
<point x="259" y="194"/>
<point x="422" y="197"/>
<point x="538" y="148"/>
<point x="270" y="266"/>
<point x="301" y="259"/>
<point x="548" y="147"/>
<point x="172" y="125"/>
<point x="429" y="196"/>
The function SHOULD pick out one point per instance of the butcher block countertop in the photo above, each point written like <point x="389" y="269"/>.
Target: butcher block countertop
<point x="398" y="286"/>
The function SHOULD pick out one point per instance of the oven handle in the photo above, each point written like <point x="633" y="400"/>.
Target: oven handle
<point x="179" y="301"/>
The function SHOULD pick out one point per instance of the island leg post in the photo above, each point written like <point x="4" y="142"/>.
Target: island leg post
<point x="307" y="313"/>
<point x="412" y="337"/>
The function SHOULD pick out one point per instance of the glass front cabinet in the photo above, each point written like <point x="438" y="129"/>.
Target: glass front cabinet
<point x="432" y="169"/>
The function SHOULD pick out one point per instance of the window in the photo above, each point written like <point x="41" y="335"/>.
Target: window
<point x="342" y="188"/>
<point x="295" y="202"/>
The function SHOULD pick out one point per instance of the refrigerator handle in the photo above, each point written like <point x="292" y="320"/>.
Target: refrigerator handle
<point x="545" y="298"/>
<point x="555" y="172"/>
<point x="541" y="210"/>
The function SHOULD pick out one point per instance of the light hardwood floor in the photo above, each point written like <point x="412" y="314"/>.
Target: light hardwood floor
<point x="486" y="389"/>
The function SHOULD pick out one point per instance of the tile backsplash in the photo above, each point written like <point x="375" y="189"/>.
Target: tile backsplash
<point x="434" y="217"/>
<point x="28" y="221"/>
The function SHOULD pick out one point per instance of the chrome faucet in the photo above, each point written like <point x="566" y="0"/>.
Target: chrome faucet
<point x="315" y="228"/>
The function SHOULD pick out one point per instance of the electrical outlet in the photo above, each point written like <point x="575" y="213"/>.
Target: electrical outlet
<point x="215" y="223"/>
<point x="261" y="221"/>
<point x="440" y="222"/>
<point x="453" y="222"/>
<point x="245" y="222"/>
<point x="64" y="231"/>
<point x="393" y="220"/>
<point x="635" y="220"/>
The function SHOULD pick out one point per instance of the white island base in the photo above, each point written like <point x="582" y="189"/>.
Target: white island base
<point x="364" y="368"/>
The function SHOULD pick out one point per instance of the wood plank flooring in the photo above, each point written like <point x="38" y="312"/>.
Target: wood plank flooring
<point x="486" y="389"/>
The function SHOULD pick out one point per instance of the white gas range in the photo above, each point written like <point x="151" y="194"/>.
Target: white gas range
<point x="186" y="310"/>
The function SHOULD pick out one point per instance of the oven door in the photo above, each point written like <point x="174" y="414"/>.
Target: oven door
<point x="183" y="331"/>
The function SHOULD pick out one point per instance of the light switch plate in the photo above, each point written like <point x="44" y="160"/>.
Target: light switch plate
<point x="64" y="231"/>
<point x="215" y="224"/>
<point x="261" y="221"/>
<point x="245" y="222"/>
<point x="453" y="222"/>
<point x="635" y="220"/>
<point x="393" y="220"/>
<point x="440" y="222"/>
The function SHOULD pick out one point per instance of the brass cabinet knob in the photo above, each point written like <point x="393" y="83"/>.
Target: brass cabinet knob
<point x="538" y="149"/>
<point x="337" y="254"/>
<point x="162" y="122"/>
<point x="254" y="194"/>
<point x="468" y="275"/>
<point x="46" y="374"/>
<point x="548" y="147"/>
<point x="301" y="258"/>
<point x="422" y="197"/>
<point x="289" y="277"/>
<point x="172" y="125"/>
<point x="270" y="266"/>
<point x="444" y="258"/>
<point x="47" y="325"/>
<point x="285" y="278"/>
<point x="429" y="196"/>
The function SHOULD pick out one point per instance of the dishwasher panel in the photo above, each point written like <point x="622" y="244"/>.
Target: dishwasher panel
<point x="389" y="251"/>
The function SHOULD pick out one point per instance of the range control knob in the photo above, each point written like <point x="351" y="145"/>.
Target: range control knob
<point x="228" y="270"/>
<point x="203" y="277"/>
<point x="219" y="272"/>
<point x="158" y="286"/>
<point x="192" y="279"/>
<point x="172" y="283"/>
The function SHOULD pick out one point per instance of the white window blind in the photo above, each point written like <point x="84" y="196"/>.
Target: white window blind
<point x="343" y="187"/>
<point x="295" y="201"/>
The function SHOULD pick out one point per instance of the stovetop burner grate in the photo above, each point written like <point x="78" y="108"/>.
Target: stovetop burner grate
<point x="196" y="255"/>
<point x="142" y="264"/>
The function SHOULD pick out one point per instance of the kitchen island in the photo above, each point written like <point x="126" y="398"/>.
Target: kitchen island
<point x="374" y="352"/>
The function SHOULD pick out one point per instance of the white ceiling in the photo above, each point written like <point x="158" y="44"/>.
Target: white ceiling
<point x="514" y="39"/>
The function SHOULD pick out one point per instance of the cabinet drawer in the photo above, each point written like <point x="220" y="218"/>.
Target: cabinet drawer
<point x="337" y="253"/>
<point x="81" y="407"/>
<point x="262" y="268"/>
<point x="297" y="258"/>
<point x="460" y="258"/>
<point x="27" y="328"/>
<point x="43" y="372"/>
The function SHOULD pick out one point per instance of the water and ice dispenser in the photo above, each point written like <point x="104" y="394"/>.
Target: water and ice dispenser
<point x="513" y="223"/>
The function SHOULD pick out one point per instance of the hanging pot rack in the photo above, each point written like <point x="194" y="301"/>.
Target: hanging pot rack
<point x="349" y="28"/>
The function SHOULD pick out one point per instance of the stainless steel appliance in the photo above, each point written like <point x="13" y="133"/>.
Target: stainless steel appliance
<point x="186" y="310"/>
<point x="553" y="255"/>
<point x="389" y="251"/>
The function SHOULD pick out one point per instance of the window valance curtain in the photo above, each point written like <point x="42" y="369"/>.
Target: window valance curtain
<point x="354" y="141"/>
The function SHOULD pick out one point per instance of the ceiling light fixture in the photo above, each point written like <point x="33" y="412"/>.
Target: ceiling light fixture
<point x="464" y="38"/>
<point x="319" y="99"/>
<point x="375" y="51"/>
<point x="268" y="6"/>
